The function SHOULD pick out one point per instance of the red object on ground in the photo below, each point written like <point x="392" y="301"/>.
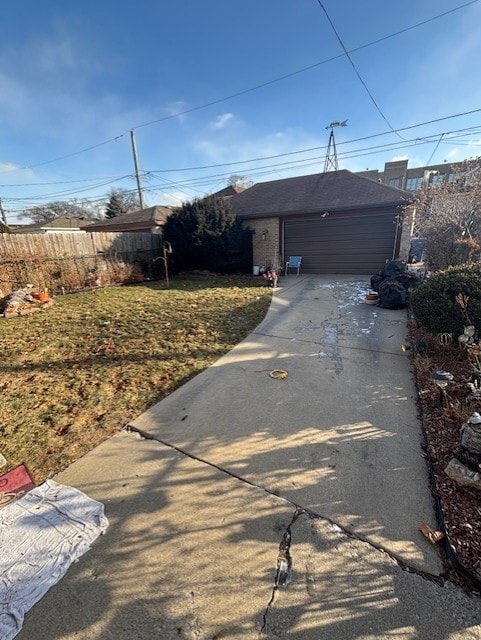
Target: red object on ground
<point x="16" y="480"/>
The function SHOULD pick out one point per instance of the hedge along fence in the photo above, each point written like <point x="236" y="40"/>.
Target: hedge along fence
<point x="73" y="261"/>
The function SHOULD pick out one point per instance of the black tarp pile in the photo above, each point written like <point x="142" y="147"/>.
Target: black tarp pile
<point x="392" y="285"/>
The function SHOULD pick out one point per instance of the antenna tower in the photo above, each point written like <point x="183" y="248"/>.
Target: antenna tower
<point x="331" y="163"/>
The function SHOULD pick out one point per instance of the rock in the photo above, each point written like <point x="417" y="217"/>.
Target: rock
<point x="471" y="434"/>
<point x="458" y="472"/>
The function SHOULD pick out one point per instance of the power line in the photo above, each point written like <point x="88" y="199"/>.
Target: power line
<point x="37" y="184"/>
<point x="290" y="153"/>
<point x="258" y="171"/>
<point x="305" y="162"/>
<point x="304" y="69"/>
<point x="270" y="168"/>
<point x="70" y="155"/>
<point x="435" y="149"/>
<point x="373" y="100"/>
<point x="90" y="200"/>
<point x="238" y="162"/>
<point x="261" y="170"/>
<point x="172" y="184"/>
<point x="414" y="26"/>
<point x="248" y="90"/>
<point x="69" y="192"/>
<point x="354" y="153"/>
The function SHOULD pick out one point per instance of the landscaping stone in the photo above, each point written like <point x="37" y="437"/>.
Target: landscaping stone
<point x="458" y="472"/>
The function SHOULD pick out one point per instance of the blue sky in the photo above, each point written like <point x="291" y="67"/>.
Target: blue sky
<point x="77" y="76"/>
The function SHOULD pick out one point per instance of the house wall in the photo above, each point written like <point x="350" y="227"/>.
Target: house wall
<point x="265" y="241"/>
<point x="140" y="227"/>
<point x="71" y="230"/>
<point x="266" y="251"/>
<point x="415" y="178"/>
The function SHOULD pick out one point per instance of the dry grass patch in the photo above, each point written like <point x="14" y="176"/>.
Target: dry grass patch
<point x="75" y="374"/>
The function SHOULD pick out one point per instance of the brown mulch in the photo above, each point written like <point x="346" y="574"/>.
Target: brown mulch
<point x="461" y="506"/>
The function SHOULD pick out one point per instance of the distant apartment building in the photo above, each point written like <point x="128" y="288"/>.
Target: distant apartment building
<point x="396" y="174"/>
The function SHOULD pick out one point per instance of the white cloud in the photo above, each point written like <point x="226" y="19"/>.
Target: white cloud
<point x="474" y="143"/>
<point x="173" y="198"/>
<point x="248" y="144"/>
<point x="244" y="144"/>
<point x="7" y="167"/>
<point x="53" y="55"/>
<point x="396" y="158"/>
<point x="13" y="96"/>
<point x="451" y="154"/>
<point x="176" y="109"/>
<point x="221" y="121"/>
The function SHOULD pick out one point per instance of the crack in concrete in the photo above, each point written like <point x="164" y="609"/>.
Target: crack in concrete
<point x="284" y="565"/>
<point x="298" y="508"/>
<point x="323" y="343"/>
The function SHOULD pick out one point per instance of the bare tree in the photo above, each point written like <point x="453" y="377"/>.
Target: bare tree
<point x="240" y="181"/>
<point x="47" y="212"/>
<point x="448" y="216"/>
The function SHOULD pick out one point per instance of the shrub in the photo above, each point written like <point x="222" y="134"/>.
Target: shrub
<point x="444" y="250"/>
<point x="434" y="303"/>
<point x="205" y="234"/>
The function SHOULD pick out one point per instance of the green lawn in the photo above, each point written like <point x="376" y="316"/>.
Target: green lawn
<point x="76" y="373"/>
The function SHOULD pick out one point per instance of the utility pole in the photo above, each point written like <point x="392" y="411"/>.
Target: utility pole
<point x="137" y="174"/>
<point x="331" y="155"/>
<point x="2" y="214"/>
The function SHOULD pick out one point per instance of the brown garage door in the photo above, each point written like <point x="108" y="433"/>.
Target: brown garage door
<point x="341" y="243"/>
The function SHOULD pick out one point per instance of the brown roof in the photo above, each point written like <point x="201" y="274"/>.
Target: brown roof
<point x="231" y="190"/>
<point x="68" y="223"/>
<point x="332" y="191"/>
<point x="59" y="223"/>
<point x="144" y="218"/>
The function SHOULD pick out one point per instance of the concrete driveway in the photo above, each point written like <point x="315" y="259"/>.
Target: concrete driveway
<point x="339" y="436"/>
<point x="228" y="520"/>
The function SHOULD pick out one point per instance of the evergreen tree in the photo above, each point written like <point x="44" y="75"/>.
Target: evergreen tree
<point x="120" y="203"/>
<point x="115" y="207"/>
<point x="205" y="234"/>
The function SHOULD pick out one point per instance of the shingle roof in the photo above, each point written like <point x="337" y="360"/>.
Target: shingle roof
<point x="335" y="190"/>
<point x="228" y="191"/>
<point x="58" y="223"/>
<point x="155" y="215"/>
<point x="68" y="223"/>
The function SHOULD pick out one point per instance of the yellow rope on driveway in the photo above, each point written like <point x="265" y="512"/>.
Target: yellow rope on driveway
<point x="278" y="374"/>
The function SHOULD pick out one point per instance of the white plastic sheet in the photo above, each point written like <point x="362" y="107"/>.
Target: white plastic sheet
<point x="41" y="534"/>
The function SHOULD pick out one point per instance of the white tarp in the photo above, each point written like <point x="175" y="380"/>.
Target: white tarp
<point x="41" y="534"/>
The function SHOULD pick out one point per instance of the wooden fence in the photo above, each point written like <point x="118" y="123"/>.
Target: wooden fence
<point x="73" y="261"/>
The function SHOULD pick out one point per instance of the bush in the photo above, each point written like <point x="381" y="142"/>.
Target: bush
<point x="205" y="234"/>
<point x="444" y="250"/>
<point x="434" y="303"/>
